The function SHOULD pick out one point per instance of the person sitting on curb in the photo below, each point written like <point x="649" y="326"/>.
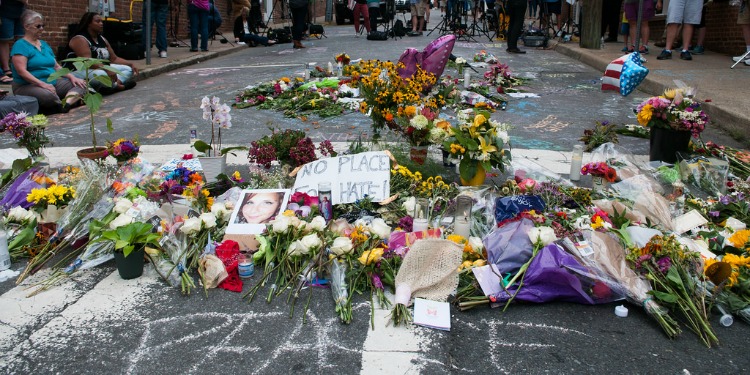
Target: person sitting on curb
<point x="418" y="10"/>
<point x="243" y="27"/>
<point x="33" y="61"/>
<point x="89" y="42"/>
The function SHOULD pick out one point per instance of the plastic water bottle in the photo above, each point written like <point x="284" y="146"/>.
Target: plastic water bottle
<point x="4" y="255"/>
<point x="601" y="46"/>
<point x="575" y="163"/>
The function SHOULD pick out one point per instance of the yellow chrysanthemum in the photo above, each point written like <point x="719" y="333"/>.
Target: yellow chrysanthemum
<point x="457" y="238"/>
<point x="670" y="93"/>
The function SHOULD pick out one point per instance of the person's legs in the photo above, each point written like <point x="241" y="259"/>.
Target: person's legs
<point x="374" y="14"/>
<point x="414" y="18"/>
<point x="203" y="25"/>
<point x="161" y="11"/>
<point x="356" y="13"/>
<point x="194" y="20"/>
<point x="516" y="11"/>
<point x="253" y="38"/>
<point x="366" y="17"/>
<point x="10" y="30"/>
<point x="299" y="16"/>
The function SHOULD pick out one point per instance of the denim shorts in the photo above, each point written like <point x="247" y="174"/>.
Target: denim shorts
<point x="11" y="27"/>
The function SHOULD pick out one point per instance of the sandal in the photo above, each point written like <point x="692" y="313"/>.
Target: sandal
<point x="5" y="80"/>
<point x="8" y="73"/>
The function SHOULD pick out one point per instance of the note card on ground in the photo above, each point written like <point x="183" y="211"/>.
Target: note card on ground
<point x="432" y="314"/>
<point x="352" y="177"/>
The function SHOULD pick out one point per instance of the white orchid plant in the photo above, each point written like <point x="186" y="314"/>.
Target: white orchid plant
<point x="218" y="115"/>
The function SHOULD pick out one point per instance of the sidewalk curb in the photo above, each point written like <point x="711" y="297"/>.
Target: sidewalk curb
<point x="723" y="117"/>
<point x="153" y="71"/>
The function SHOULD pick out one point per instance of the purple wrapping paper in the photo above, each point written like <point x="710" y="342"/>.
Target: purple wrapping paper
<point x="555" y="275"/>
<point x="19" y="189"/>
<point x="509" y="247"/>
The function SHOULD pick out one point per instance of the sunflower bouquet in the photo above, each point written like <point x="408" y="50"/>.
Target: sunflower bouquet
<point x="676" y="109"/>
<point x="479" y="141"/>
<point x="386" y="94"/>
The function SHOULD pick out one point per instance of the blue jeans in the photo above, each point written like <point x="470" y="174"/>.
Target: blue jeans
<point x="159" y="14"/>
<point x="257" y="39"/>
<point x="198" y="25"/>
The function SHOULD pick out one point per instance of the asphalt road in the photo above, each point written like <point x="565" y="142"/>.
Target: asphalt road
<point x="97" y="323"/>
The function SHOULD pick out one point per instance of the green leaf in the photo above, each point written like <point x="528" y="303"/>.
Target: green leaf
<point x="664" y="297"/>
<point x="110" y="128"/>
<point x="201" y="146"/>
<point x="467" y="168"/>
<point x="674" y="276"/>
<point x="230" y="150"/>
<point x="104" y="80"/>
<point x="93" y="101"/>
<point x="58" y="74"/>
<point x="22" y="238"/>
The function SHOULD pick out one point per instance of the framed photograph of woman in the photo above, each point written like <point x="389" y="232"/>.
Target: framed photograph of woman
<point x="255" y="209"/>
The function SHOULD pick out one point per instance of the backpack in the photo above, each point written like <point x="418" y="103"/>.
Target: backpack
<point x="398" y="28"/>
<point x="377" y="35"/>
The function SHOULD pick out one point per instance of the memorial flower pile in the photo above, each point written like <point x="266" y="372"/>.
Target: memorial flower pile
<point x="478" y="141"/>
<point x="420" y="127"/>
<point x="287" y="147"/>
<point x="27" y="130"/>
<point x="123" y="149"/>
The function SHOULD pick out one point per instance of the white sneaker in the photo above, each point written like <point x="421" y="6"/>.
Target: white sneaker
<point x="163" y="54"/>
<point x="240" y="43"/>
<point x="738" y="58"/>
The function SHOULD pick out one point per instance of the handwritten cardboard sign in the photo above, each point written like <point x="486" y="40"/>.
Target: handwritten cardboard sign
<point x="351" y="177"/>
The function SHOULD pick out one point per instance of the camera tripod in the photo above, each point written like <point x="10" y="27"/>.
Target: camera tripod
<point x="213" y="31"/>
<point x="174" y="24"/>
<point x="286" y="15"/>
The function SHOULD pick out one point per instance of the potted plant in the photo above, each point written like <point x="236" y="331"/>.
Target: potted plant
<point x="130" y="241"/>
<point x="28" y="132"/>
<point x="479" y="142"/>
<point x="287" y="147"/>
<point x="91" y="98"/>
<point x="214" y="159"/>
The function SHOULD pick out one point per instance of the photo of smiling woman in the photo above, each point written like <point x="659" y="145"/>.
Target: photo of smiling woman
<point x="260" y="207"/>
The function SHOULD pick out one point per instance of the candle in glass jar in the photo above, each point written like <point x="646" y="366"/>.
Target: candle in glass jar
<point x="419" y="225"/>
<point x="462" y="227"/>
<point x="467" y="78"/>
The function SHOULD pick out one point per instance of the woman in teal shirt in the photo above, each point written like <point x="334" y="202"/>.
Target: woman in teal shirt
<point x="33" y="61"/>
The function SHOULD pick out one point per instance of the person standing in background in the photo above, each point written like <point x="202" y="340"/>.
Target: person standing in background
<point x="687" y="13"/>
<point x="374" y="11"/>
<point x="360" y="8"/>
<point x="159" y="12"/>
<point x="299" y="21"/>
<point x="631" y="13"/>
<point x="611" y="19"/>
<point x="11" y="29"/>
<point x="198" y="15"/>
<point x="516" y="11"/>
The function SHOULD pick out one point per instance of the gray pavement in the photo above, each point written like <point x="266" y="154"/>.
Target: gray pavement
<point x="97" y="323"/>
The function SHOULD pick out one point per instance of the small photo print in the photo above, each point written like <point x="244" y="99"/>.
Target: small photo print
<point x="255" y="209"/>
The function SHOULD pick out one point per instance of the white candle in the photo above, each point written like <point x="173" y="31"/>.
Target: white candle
<point x="467" y="78"/>
<point x="330" y="68"/>
<point x="462" y="227"/>
<point x="419" y="225"/>
<point x="307" y="72"/>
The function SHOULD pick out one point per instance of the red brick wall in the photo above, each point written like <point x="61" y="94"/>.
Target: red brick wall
<point x="723" y="35"/>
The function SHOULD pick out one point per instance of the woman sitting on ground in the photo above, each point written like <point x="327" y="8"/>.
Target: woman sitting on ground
<point x="243" y="34"/>
<point x="89" y="42"/>
<point x="33" y="63"/>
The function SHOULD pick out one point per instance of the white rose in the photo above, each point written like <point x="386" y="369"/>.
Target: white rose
<point x="297" y="223"/>
<point x="122" y="206"/>
<point x="120" y="220"/>
<point x="318" y="223"/>
<point x="341" y="246"/>
<point x="476" y="244"/>
<point x="191" y="225"/>
<point x="545" y="235"/>
<point x="208" y="219"/>
<point x="220" y="210"/>
<point x="409" y="205"/>
<point x="280" y="224"/>
<point x="310" y="242"/>
<point x="460" y="61"/>
<point x="379" y="228"/>
<point x="295" y="248"/>
<point x="583" y="222"/>
<point x="419" y="122"/>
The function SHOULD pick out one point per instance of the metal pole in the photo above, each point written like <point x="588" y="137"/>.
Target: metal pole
<point x="637" y="43"/>
<point x="147" y="30"/>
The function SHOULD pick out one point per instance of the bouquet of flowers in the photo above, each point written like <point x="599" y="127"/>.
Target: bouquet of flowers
<point x="484" y="56"/>
<point x="343" y="59"/>
<point x="671" y="270"/>
<point x="55" y="195"/>
<point x="479" y="141"/>
<point x="385" y="91"/>
<point x="600" y="169"/>
<point x="290" y="147"/>
<point x="676" y="109"/>
<point x="123" y="149"/>
<point x="265" y="92"/>
<point x="421" y="128"/>
<point x="27" y="130"/>
<point x="499" y="75"/>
